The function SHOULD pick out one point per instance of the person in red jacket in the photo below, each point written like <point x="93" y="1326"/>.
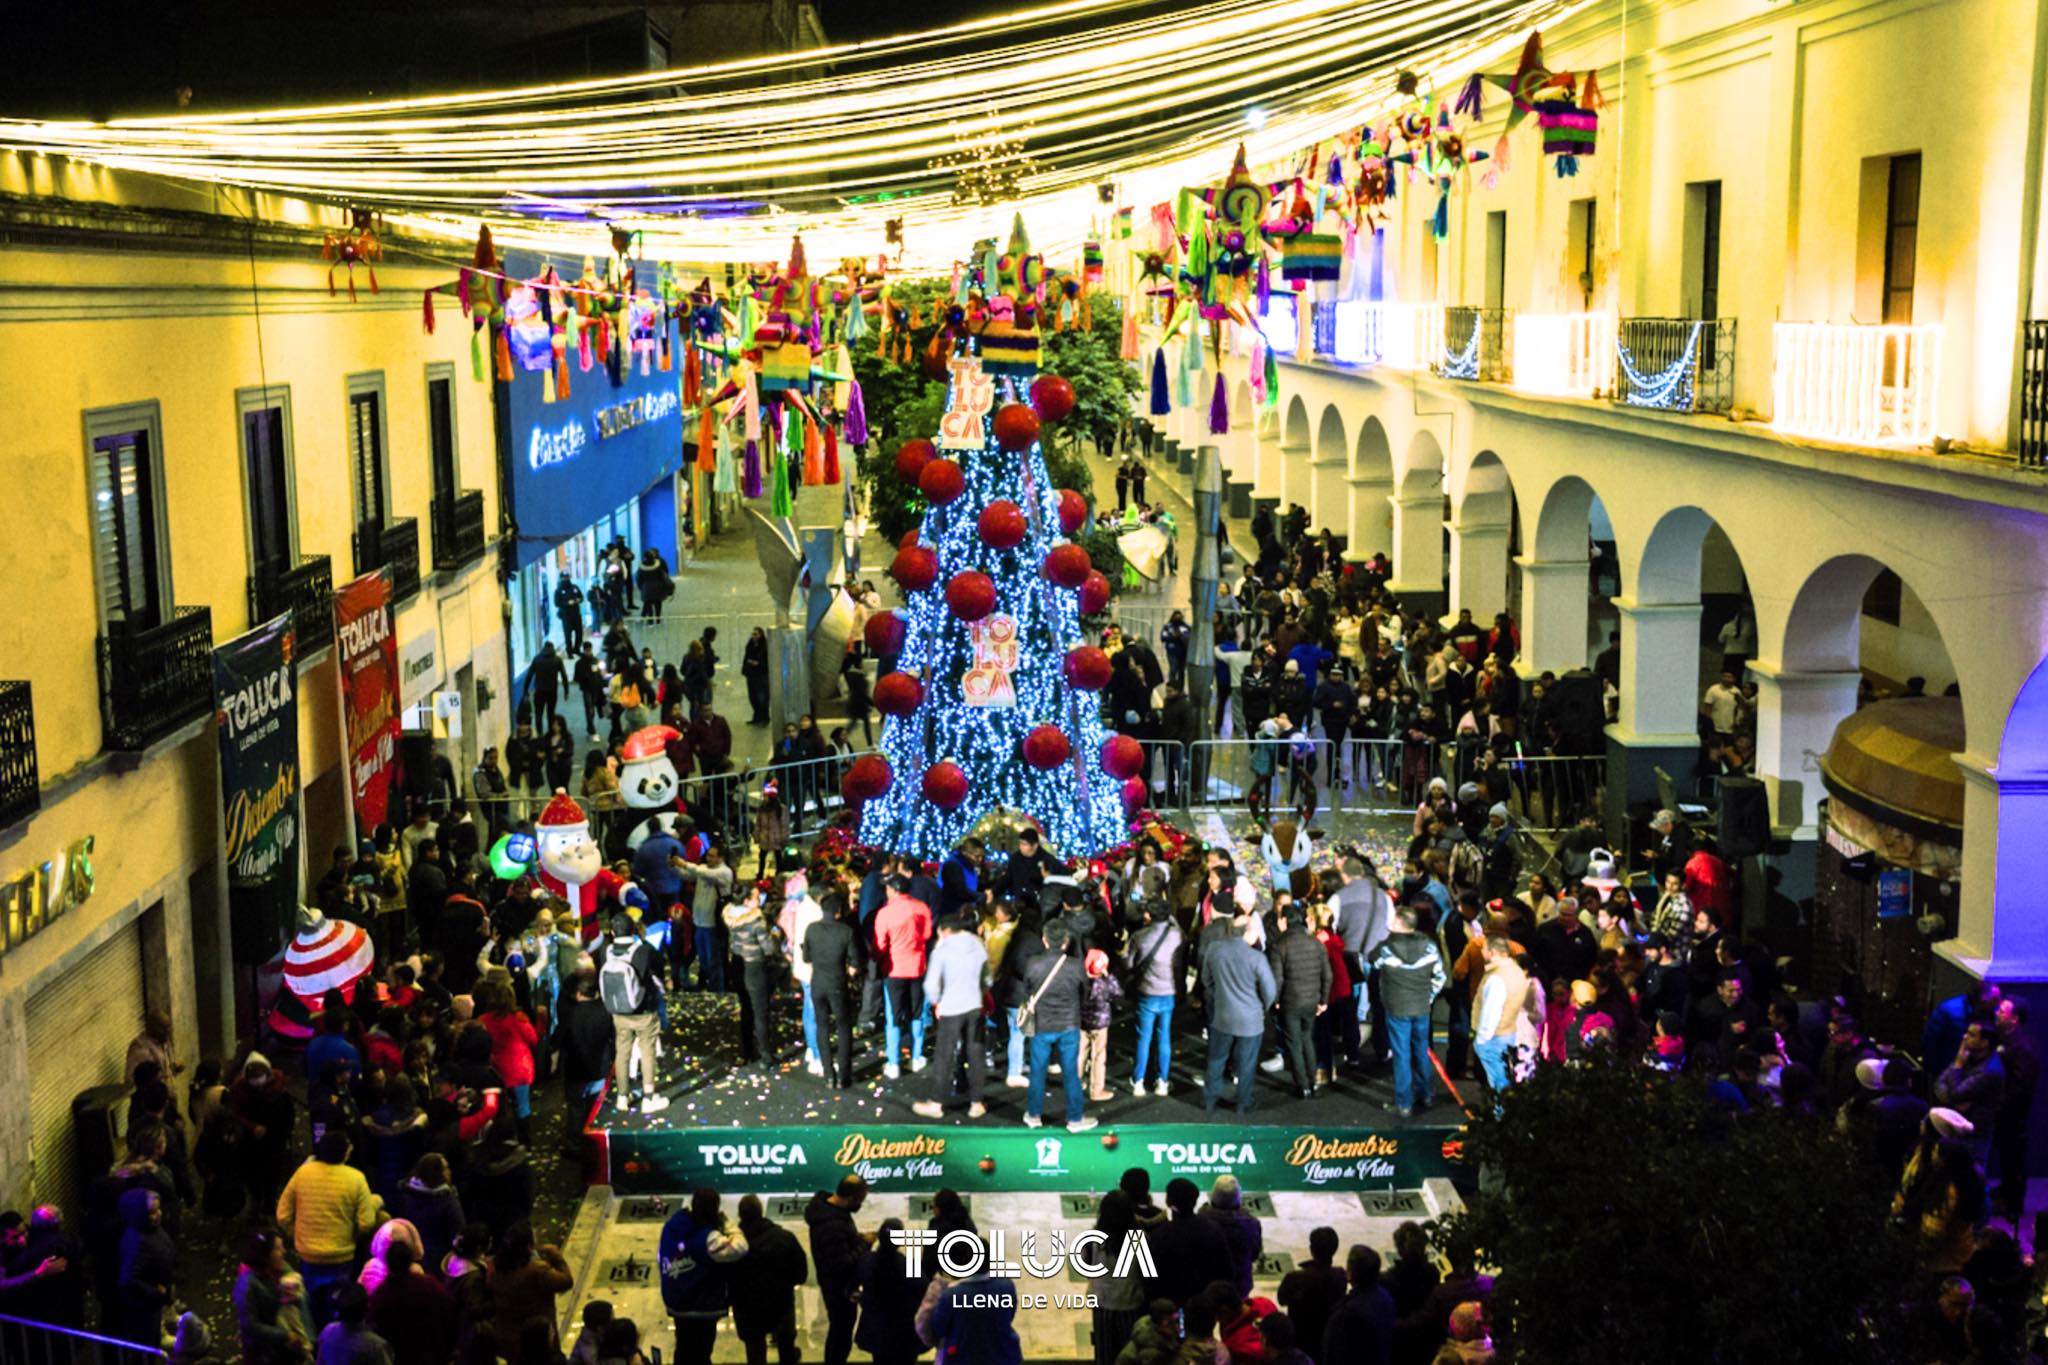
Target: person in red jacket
<point x="1710" y="884"/>
<point x="903" y="933"/>
<point x="513" y="1039"/>
<point x="1237" y="1322"/>
<point x="1324" y="920"/>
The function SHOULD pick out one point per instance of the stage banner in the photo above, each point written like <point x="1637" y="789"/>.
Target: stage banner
<point x="908" y="1157"/>
<point x="256" y="706"/>
<point x="369" y="697"/>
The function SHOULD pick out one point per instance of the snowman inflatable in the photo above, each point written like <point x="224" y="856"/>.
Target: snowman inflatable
<point x="569" y="858"/>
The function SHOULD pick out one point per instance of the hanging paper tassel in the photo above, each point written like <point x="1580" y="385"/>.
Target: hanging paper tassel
<point x="693" y="375"/>
<point x="668" y="363"/>
<point x="814" y="456"/>
<point x="1264" y="283"/>
<point x="831" y="456"/>
<point x="427" y="310"/>
<point x="1128" y="350"/>
<point x="1219" y="411"/>
<point x="751" y="484"/>
<point x="707" y="439"/>
<point x="722" y="480"/>
<point x="856" y="418"/>
<point x="476" y="354"/>
<point x="1190" y="366"/>
<point x="559" y="344"/>
<point x="1272" y="372"/>
<point x="1161" y="403"/>
<point x="584" y="359"/>
<point x="1258" y="370"/>
<point x="1441" y="223"/>
<point x="503" y="346"/>
<point x="781" y="504"/>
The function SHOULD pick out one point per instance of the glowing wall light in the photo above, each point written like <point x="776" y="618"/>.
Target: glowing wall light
<point x="1567" y="355"/>
<point x="1863" y="385"/>
<point x="1282" y="323"/>
<point x="1399" y="336"/>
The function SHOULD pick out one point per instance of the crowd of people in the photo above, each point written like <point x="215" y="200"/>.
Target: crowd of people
<point x="1195" y="1305"/>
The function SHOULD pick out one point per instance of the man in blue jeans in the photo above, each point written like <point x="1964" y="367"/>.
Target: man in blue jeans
<point x="1411" y="973"/>
<point x="1054" y="981"/>
<point x="1154" y="958"/>
<point x="1240" y="987"/>
<point x="1502" y="992"/>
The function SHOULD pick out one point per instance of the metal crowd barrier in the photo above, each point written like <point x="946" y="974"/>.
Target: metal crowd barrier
<point x="38" y="1343"/>
<point x="1269" y="774"/>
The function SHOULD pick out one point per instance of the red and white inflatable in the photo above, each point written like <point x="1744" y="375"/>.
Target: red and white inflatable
<point x="324" y="955"/>
<point x="571" y="866"/>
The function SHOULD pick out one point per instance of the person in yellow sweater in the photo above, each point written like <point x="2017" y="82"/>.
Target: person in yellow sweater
<point x="326" y="1206"/>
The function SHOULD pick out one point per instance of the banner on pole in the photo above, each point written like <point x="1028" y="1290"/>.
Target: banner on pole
<point x="257" y="709"/>
<point x="368" y="653"/>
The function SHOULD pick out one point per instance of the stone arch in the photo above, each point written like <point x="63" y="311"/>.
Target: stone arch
<point x="1558" y="587"/>
<point x="1372" y="455"/>
<point x="2023" y="748"/>
<point x="1482" y="539"/>
<point x="1423" y="471"/>
<point x="1563" y="519"/>
<point x="1668" y="569"/>
<point x="1243" y="407"/>
<point x="1331" y="505"/>
<point x="1296" y="457"/>
<point x="1332" y="446"/>
<point x="1294" y="431"/>
<point x="1418" y="531"/>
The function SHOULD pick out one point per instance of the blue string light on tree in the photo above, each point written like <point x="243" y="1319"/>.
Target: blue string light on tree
<point x="1671" y="389"/>
<point x="991" y="662"/>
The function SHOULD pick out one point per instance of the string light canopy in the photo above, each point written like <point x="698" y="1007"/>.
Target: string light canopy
<point x="725" y="161"/>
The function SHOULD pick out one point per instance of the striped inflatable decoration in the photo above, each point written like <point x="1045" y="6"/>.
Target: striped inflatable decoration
<point x="324" y="955"/>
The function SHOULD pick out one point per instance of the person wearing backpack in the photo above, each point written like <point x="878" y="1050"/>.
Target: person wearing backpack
<point x="629" y="984"/>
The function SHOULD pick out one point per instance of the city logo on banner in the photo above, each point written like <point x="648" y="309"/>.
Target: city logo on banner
<point x="754" y="1158"/>
<point x="1202" y="1158"/>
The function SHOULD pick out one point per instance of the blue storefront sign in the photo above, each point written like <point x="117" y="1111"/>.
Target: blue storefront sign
<point x="570" y="462"/>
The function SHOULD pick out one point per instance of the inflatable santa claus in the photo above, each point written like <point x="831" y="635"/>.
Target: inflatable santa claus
<point x="571" y="865"/>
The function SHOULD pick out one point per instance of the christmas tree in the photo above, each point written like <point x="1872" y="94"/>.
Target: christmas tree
<point x="993" y="706"/>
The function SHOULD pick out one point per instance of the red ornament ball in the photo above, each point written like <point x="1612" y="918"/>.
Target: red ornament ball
<point x="971" y="594"/>
<point x="1001" y="524"/>
<point x="914" y="569"/>
<point x="908" y="539"/>
<point x="945" y="785"/>
<point x="884" y="634"/>
<point x="1087" y="668"/>
<point x="898" y="693"/>
<point x="869" y="776"/>
<point x="942" y="481"/>
<point x="913" y="456"/>
<point x="1067" y="565"/>
<point x="1094" y="593"/>
<point x="988" y="1165"/>
<point x="1109" y="1142"/>
<point x="1122" y="756"/>
<point x="1016" y="427"/>
<point x="1135" y="794"/>
<point x="1073" y="511"/>
<point x="1051" y="397"/>
<point x="1046" y="746"/>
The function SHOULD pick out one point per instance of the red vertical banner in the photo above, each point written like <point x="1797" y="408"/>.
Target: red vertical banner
<point x="368" y="650"/>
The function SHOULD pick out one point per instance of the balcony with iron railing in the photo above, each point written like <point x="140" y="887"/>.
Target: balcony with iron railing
<point x="1860" y="385"/>
<point x="306" y="590"/>
<point x="393" y="545"/>
<point x="20" y="780"/>
<point x="1565" y="355"/>
<point x="1395" y="336"/>
<point x="1676" y="364"/>
<point x="458" y="530"/>
<point x="155" y="680"/>
<point x="2033" y="442"/>
<point x="1477" y="345"/>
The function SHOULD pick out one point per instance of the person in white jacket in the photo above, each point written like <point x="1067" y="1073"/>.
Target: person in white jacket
<point x="800" y="910"/>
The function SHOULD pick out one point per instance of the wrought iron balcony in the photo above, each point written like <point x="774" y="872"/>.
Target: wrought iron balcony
<point x="1858" y="385"/>
<point x="21" y="785"/>
<point x="1676" y="364"/>
<point x="2034" y="394"/>
<point x="1323" y="327"/>
<point x="157" y="680"/>
<point x="307" y="592"/>
<point x="1399" y="336"/>
<point x="1476" y="342"/>
<point x="393" y="545"/>
<point x="458" y="530"/>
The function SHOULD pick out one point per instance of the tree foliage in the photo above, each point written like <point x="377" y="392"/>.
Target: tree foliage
<point x="1630" y="1219"/>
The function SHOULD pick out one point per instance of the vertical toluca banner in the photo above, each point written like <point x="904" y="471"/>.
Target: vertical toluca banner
<point x="368" y="650"/>
<point x="256" y="705"/>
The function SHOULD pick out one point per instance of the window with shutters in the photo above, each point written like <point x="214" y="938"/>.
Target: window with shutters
<point x="124" y="480"/>
<point x="367" y="463"/>
<point x="441" y="429"/>
<point x="268" y="479"/>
